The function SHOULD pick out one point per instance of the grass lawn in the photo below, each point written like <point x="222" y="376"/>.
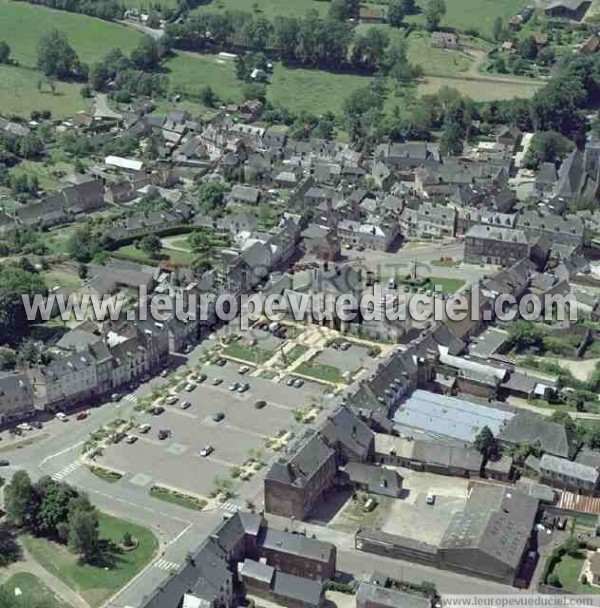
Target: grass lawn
<point x="105" y="474"/>
<point x="296" y="352"/>
<point x="448" y="286"/>
<point x="57" y="239"/>
<point x="177" y="498"/>
<point x="267" y="8"/>
<point x="313" y="91"/>
<point x="481" y="90"/>
<point x="568" y="570"/>
<point x="328" y="373"/>
<point x="474" y="14"/>
<point x="131" y="252"/>
<point x="19" y="95"/>
<point x="32" y="590"/>
<point x="22" y="24"/>
<point x="97" y="583"/>
<point x="189" y="73"/>
<point x="252" y="354"/>
<point x="59" y="278"/>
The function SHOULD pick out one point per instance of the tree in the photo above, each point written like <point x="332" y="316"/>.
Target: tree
<point x="83" y="533"/>
<point x="53" y="506"/>
<point x="554" y="581"/>
<point x="524" y="335"/>
<point x="409" y="7"/>
<point x="547" y="147"/>
<point x="58" y="59"/>
<point x="19" y="499"/>
<point x="208" y="97"/>
<point x="434" y="13"/>
<point x="528" y="48"/>
<point x="10" y="550"/>
<point x="150" y="244"/>
<point x="498" y="29"/>
<point x="396" y="13"/>
<point x="146" y="56"/>
<point x="485" y="442"/>
<point x="211" y="196"/>
<point x="8" y="359"/>
<point x="200" y="242"/>
<point x="451" y="141"/>
<point x="4" y="52"/>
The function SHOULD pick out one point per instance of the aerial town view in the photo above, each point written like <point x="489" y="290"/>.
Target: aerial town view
<point x="299" y="303"/>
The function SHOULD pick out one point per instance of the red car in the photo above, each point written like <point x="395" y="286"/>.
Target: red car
<point x="82" y="416"/>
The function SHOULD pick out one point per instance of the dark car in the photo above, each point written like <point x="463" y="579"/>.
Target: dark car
<point x="218" y="416"/>
<point x="157" y="410"/>
<point x="4" y="462"/>
<point x="260" y="404"/>
<point x="202" y="378"/>
<point x="163" y="433"/>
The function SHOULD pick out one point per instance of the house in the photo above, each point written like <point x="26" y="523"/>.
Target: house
<point x="294" y="487"/>
<point x="243" y="195"/>
<point x="372" y="14"/>
<point x="572" y="10"/>
<point x="490" y="537"/>
<point x="370" y="594"/>
<point x="495" y="245"/>
<point x="544" y="435"/>
<point x="348" y="435"/>
<point x="566" y="230"/>
<point x="382" y="177"/>
<point x="545" y="180"/>
<point x="16" y="397"/>
<point x="578" y="175"/>
<point x="378" y="236"/>
<point x="445" y="40"/>
<point x="374" y="479"/>
<point x="297" y="554"/>
<point x="570" y="475"/>
<point x="436" y="220"/>
<point x="322" y="242"/>
<point x="407" y="155"/>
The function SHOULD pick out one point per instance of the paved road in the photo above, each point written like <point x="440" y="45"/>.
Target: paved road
<point x="102" y="109"/>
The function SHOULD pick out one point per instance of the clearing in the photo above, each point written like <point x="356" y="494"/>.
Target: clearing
<point x="97" y="583"/>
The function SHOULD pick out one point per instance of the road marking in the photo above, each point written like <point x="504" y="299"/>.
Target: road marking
<point x="230" y="507"/>
<point x="165" y="564"/>
<point x="131" y="398"/>
<point x="172" y="542"/>
<point x="68" y="469"/>
<point x="61" y="452"/>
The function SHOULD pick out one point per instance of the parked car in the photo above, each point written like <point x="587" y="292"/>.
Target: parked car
<point x="116" y="397"/>
<point x="234" y="387"/>
<point x="207" y="450"/>
<point x="189" y="387"/>
<point x="243" y="387"/>
<point x="298" y="383"/>
<point x="61" y="416"/>
<point x="157" y="410"/>
<point x="217" y="381"/>
<point x="260" y="404"/>
<point x="218" y="416"/>
<point x="201" y="377"/>
<point x="4" y="462"/>
<point x="244" y="369"/>
<point x="82" y="415"/>
<point x="131" y="439"/>
<point x="164" y="373"/>
<point x="290" y="382"/>
<point x="172" y="399"/>
<point x="144" y="428"/>
<point x="221" y="362"/>
<point x="24" y="426"/>
<point x="163" y="434"/>
<point x="430" y="499"/>
<point x="188" y="349"/>
<point x="185" y="404"/>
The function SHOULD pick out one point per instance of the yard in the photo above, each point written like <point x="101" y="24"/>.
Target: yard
<point x="33" y="591"/>
<point x="473" y="14"/>
<point x="97" y="583"/>
<point x="568" y="570"/>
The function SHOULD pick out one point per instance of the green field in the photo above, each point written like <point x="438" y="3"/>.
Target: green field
<point x="19" y="93"/>
<point x="568" y="570"/>
<point x="189" y="73"/>
<point x="131" y="252"/>
<point x="474" y="14"/>
<point x="21" y="25"/>
<point x="481" y="90"/>
<point x="268" y="8"/>
<point x="327" y="373"/>
<point x="251" y="354"/>
<point x="312" y="91"/>
<point x="33" y="591"/>
<point x="97" y="583"/>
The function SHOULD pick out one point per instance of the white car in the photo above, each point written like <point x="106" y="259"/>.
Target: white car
<point x="244" y="369"/>
<point x="61" y="416"/>
<point x="185" y="404"/>
<point x="144" y="428"/>
<point x="430" y="500"/>
<point x="172" y="399"/>
<point x="24" y="426"/>
<point x="131" y="439"/>
<point x="207" y="450"/>
<point x="190" y="387"/>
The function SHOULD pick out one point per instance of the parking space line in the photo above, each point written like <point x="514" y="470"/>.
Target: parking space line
<point x="224" y="463"/>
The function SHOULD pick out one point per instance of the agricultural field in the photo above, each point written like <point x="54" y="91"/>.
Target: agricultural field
<point x="268" y="8"/>
<point x="481" y="89"/>
<point x="20" y="95"/>
<point x="312" y="91"/>
<point x="22" y="24"/>
<point x="474" y="14"/>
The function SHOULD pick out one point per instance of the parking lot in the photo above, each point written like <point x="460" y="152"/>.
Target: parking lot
<point x="175" y="461"/>
<point x="352" y="359"/>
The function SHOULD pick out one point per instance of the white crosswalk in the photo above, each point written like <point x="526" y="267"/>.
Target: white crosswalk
<point x="165" y="564"/>
<point x="68" y="469"/>
<point x="230" y="507"/>
<point x="131" y="397"/>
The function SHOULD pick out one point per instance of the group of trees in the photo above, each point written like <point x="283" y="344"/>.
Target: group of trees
<point x="85" y="243"/>
<point x="57" y="59"/>
<point x="103" y="9"/>
<point x="547" y="146"/>
<point x="16" y="281"/>
<point x="54" y="510"/>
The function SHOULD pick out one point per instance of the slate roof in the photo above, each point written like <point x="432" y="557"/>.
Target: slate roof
<point x="526" y="427"/>
<point x="344" y="427"/>
<point x="369" y="594"/>
<point x="257" y="570"/>
<point x="297" y="588"/>
<point x="496" y="521"/>
<point x="378" y="480"/>
<point x="296" y="544"/>
<point x="567" y="468"/>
